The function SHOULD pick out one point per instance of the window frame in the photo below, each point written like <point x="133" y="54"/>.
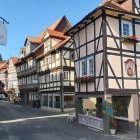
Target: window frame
<point x="88" y="68"/>
<point x="66" y="77"/>
<point x="130" y="27"/>
<point x="81" y="72"/>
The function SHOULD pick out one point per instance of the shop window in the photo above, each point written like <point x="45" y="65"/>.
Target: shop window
<point x="120" y="106"/>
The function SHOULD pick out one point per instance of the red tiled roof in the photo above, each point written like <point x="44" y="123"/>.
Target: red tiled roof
<point x="53" y="33"/>
<point x="3" y="65"/>
<point x="34" y="39"/>
<point x="112" y="4"/>
<point x="14" y="59"/>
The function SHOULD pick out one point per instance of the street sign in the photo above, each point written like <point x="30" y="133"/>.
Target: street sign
<point x="3" y="34"/>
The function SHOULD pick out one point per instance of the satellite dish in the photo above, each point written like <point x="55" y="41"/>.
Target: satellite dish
<point x="3" y="34"/>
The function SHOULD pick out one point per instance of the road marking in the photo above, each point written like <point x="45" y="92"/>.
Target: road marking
<point x="33" y="118"/>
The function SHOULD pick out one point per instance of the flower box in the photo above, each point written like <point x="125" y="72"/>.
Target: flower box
<point x="129" y="39"/>
<point x="84" y="79"/>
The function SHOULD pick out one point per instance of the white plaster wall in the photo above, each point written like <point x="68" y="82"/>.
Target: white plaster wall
<point x="99" y="59"/>
<point x="128" y="46"/>
<point x="101" y="85"/>
<point x="130" y="84"/>
<point x="114" y="25"/>
<point x="90" y="32"/>
<point x="100" y="45"/>
<point x="137" y="31"/>
<point x="98" y="26"/>
<point x="113" y="84"/>
<point x="82" y="87"/>
<point x="133" y="109"/>
<point x="55" y="41"/>
<point x="111" y="43"/>
<point x="90" y="48"/>
<point x="82" y="36"/>
<point x="91" y="87"/>
<point x="115" y="62"/>
<point x="83" y="51"/>
<point x="76" y="40"/>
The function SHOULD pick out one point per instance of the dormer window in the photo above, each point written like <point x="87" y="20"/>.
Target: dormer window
<point x="126" y="28"/>
<point x="47" y="43"/>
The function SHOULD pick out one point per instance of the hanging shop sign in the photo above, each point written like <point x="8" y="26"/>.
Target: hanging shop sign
<point x="3" y="34"/>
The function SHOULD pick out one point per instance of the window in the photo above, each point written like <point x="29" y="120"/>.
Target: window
<point x="90" y="66"/>
<point x="120" y="106"/>
<point x="126" y="28"/>
<point x="83" y="68"/>
<point x="53" y="58"/>
<point x="66" y="75"/>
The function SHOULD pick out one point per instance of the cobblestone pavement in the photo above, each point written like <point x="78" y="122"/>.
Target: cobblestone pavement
<point x="24" y="123"/>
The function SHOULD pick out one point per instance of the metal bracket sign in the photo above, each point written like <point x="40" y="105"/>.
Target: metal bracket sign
<point x="3" y="34"/>
<point x="3" y="31"/>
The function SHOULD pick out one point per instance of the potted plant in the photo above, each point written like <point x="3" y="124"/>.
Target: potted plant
<point x="129" y="38"/>
<point x="113" y="125"/>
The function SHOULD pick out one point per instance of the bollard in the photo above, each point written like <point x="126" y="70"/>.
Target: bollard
<point x="137" y="121"/>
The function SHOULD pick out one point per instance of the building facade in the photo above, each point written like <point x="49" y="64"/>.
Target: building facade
<point x="46" y="68"/>
<point x="27" y="71"/>
<point x="56" y="72"/>
<point x="107" y="62"/>
<point x="3" y="79"/>
<point x="12" y="76"/>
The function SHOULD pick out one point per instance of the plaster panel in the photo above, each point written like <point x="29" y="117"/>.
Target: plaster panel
<point x="91" y="86"/>
<point x="99" y="59"/>
<point x="115" y="62"/>
<point x="82" y="87"/>
<point x="113" y="83"/>
<point x="90" y="48"/>
<point x="114" y="25"/>
<point x="76" y="40"/>
<point x="137" y="30"/>
<point x="130" y="84"/>
<point x="98" y="26"/>
<point x="111" y="43"/>
<point x="83" y="51"/>
<point x="82" y="36"/>
<point x="90" y="32"/>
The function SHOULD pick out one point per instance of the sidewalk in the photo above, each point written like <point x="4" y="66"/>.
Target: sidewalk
<point x="126" y="136"/>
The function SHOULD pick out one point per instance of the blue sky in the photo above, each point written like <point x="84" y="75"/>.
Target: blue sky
<point x="30" y="17"/>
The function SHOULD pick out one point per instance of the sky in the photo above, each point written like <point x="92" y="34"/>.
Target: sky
<point x="31" y="17"/>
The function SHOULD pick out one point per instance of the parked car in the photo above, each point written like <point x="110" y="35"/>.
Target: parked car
<point x="17" y="99"/>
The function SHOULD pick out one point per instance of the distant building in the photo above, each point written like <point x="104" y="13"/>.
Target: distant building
<point x="3" y="77"/>
<point x="12" y="76"/>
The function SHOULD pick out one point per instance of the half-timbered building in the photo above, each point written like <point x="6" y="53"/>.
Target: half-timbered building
<point x="27" y="70"/>
<point x="107" y="64"/>
<point x="56" y="68"/>
<point x="12" y="76"/>
<point x="3" y="79"/>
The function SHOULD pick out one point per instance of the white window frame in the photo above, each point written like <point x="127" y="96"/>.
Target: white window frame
<point x="130" y="27"/>
<point x="89" y="58"/>
<point x="84" y="60"/>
